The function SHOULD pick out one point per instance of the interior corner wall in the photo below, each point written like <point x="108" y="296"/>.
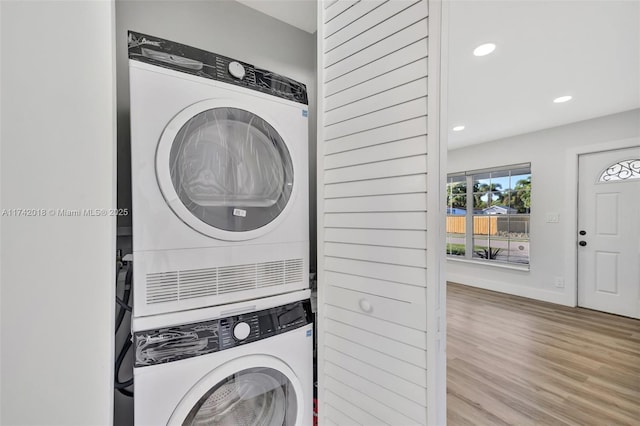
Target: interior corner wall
<point x="58" y="152"/>
<point x="549" y="152"/>
<point x="225" y="27"/>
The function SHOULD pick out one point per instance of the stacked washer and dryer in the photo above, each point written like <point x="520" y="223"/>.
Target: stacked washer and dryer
<point x="222" y="323"/>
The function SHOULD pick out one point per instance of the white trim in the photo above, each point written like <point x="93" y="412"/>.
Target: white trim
<point x="502" y="265"/>
<point x="468" y="223"/>
<point x="320" y="274"/>
<point x="114" y="204"/>
<point x="435" y="302"/>
<point x="558" y="297"/>
<point x="571" y="207"/>
<point x="491" y="169"/>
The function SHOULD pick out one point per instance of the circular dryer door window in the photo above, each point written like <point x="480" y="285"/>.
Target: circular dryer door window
<point x="229" y="171"/>
<point x="252" y="397"/>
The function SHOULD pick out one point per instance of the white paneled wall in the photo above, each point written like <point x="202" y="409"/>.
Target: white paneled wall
<point x="381" y="345"/>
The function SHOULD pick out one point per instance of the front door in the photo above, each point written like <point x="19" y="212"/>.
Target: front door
<point x="609" y="232"/>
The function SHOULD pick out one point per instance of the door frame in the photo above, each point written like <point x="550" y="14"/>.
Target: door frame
<point x="571" y="208"/>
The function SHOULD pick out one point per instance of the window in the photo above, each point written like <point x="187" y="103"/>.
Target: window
<point x="623" y="170"/>
<point x="488" y="215"/>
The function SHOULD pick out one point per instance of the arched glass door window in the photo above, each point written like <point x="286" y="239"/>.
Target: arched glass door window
<point x="231" y="169"/>
<point x="252" y="397"/>
<point x="621" y="171"/>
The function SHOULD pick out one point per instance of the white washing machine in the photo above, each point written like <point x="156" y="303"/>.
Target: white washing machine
<point x="219" y="179"/>
<point x="242" y="364"/>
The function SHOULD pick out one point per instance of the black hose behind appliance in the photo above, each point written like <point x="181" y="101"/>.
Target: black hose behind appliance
<point x="123" y="308"/>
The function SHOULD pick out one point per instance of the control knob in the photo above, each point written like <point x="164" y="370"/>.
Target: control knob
<point x="236" y="70"/>
<point x="241" y="330"/>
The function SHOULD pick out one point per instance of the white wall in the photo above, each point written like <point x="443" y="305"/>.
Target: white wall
<point x="58" y="151"/>
<point x="221" y="26"/>
<point x="553" y="156"/>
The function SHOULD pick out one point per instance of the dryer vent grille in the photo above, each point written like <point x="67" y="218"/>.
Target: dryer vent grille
<point x="293" y="271"/>
<point x="193" y="283"/>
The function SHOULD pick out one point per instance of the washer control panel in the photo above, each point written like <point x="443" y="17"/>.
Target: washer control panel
<point x="189" y="340"/>
<point x="250" y="327"/>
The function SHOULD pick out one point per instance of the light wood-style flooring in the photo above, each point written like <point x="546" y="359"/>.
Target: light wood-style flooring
<point x="516" y="361"/>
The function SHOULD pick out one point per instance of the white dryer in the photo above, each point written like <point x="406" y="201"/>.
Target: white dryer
<point x="219" y="179"/>
<point x="242" y="364"/>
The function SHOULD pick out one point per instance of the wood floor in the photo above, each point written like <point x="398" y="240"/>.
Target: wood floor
<point x="514" y="361"/>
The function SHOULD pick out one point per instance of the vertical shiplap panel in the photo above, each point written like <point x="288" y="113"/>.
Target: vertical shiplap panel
<point x="380" y="219"/>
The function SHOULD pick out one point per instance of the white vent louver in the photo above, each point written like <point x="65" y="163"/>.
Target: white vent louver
<point x="293" y="271"/>
<point x="193" y="283"/>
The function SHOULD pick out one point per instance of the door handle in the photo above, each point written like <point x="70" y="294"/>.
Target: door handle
<point x="365" y="305"/>
<point x="583" y="243"/>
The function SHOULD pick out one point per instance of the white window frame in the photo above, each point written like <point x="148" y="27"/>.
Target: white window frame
<point x="469" y="215"/>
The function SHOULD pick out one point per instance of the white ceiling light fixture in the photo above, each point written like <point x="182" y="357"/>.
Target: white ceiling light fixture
<point x="562" y="99"/>
<point x="458" y="128"/>
<point x="484" y="49"/>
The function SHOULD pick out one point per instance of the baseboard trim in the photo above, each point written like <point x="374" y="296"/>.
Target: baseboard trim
<point x="515" y="290"/>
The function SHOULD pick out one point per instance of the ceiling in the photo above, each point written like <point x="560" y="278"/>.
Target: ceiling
<point x="545" y="49"/>
<point x="299" y="13"/>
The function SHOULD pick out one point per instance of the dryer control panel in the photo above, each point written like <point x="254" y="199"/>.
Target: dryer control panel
<point x="191" y="60"/>
<point x="189" y="340"/>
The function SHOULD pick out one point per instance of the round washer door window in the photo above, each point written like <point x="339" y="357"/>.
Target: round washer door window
<point x="228" y="168"/>
<point x="252" y="397"/>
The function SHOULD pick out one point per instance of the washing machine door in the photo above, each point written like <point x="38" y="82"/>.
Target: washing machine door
<point x="225" y="170"/>
<point x="254" y="396"/>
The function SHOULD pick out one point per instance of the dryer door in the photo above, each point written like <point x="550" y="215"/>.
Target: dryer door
<point x="258" y="396"/>
<point x="225" y="170"/>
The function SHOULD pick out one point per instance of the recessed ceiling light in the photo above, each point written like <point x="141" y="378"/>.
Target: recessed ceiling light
<point x="484" y="49"/>
<point x="562" y="99"/>
<point x="458" y="128"/>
